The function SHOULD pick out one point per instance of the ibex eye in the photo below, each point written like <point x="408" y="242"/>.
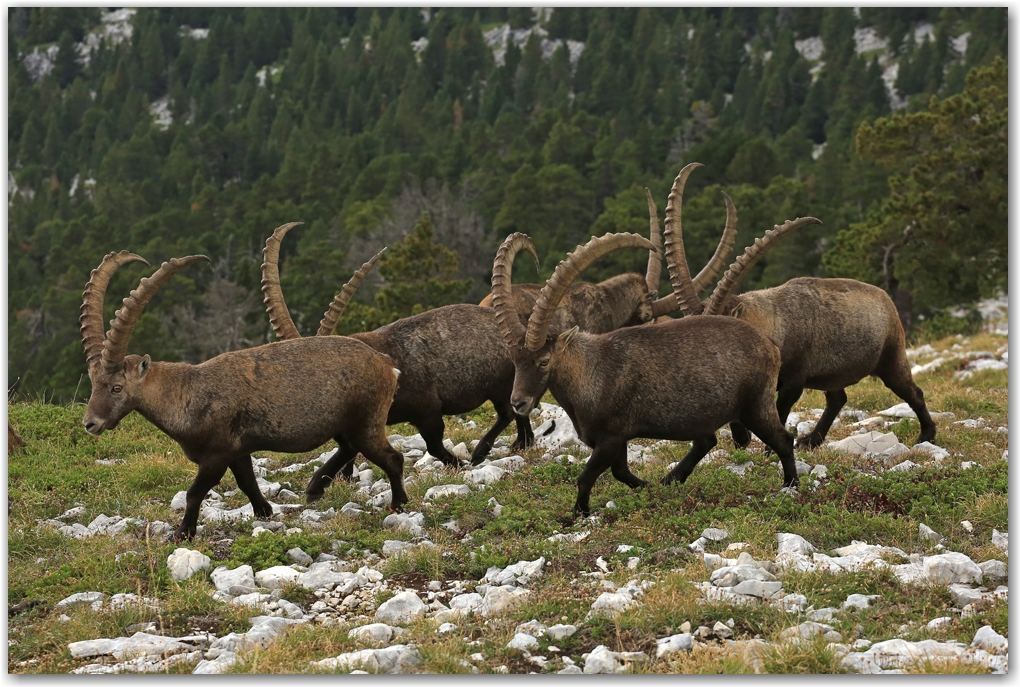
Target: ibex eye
<point x="117" y="388"/>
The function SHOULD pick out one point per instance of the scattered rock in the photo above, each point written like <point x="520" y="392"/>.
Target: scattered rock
<point x="950" y="568"/>
<point x="242" y="577"/>
<point x="486" y="474"/>
<point x="402" y="608"/>
<point x="444" y="490"/>
<point x="715" y="534"/>
<point x="276" y="577"/>
<point x="680" y="642"/>
<point x="1001" y="540"/>
<point x="376" y="633"/>
<point x="991" y="641"/>
<point x="121" y="648"/>
<point x="993" y="572"/>
<point x="522" y="642"/>
<point x="299" y="557"/>
<point x="183" y="563"/>
<point x="858" y="601"/>
<point x="928" y="534"/>
<point x="395" y="659"/>
<point x="94" y="599"/>
<point x="412" y="522"/>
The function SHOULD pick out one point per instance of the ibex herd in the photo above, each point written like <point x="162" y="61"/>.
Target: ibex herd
<point x="609" y="354"/>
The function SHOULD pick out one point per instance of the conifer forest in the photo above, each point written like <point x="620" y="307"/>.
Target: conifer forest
<point x="438" y="132"/>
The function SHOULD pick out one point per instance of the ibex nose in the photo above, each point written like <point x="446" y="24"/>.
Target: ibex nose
<point x="520" y="407"/>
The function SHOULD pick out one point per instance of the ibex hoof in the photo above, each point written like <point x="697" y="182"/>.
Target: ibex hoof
<point x="263" y="511"/>
<point x="183" y="533"/>
<point x="809" y="442"/>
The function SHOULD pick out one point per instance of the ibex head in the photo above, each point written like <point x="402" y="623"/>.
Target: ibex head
<point x="117" y="378"/>
<point x="536" y="351"/>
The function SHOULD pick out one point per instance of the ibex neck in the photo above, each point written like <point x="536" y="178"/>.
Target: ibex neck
<point x="576" y="380"/>
<point x="621" y="296"/>
<point x="164" y="397"/>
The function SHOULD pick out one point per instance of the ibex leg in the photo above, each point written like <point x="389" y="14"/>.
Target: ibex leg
<point x="699" y="449"/>
<point x="765" y="423"/>
<point x="621" y="471"/>
<point x="244" y="473"/>
<point x="432" y="429"/>
<point x="525" y="435"/>
<point x="741" y="437"/>
<point x="210" y="472"/>
<point x="343" y="457"/>
<point x="901" y="383"/>
<point x="503" y="417"/>
<point x="377" y="449"/>
<point x="834" y="402"/>
<point x="602" y="458"/>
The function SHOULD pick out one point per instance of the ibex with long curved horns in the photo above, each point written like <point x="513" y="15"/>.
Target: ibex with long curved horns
<point x="627" y="299"/>
<point x="679" y="380"/>
<point x="451" y="361"/>
<point x="290" y="396"/>
<point x="831" y="333"/>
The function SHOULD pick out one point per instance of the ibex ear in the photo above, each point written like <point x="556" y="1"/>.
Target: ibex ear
<point x="143" y="366"/>
<point x="652" y="295"/>
<point x="566" y="336"/>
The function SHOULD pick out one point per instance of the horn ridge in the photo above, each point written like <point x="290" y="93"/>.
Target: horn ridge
<point x="654" y="272"/>
<point x="93" y="299"/>
<point x="502" y="297"/>
<point x="751" y="255"/>
<point x="330" y="318"/>
<point x="123" y="323"/>
<point x="276" y="306"/>
<point x="676" y="257"/>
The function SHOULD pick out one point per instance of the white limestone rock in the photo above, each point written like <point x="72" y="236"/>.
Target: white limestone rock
<point x="858" y="601"/>
<point x="993" y="572"/>
<point x="928" y="534"/>
<point x="413" y="522"/>
<point x="93" y="599"/>
<point x="501" y="599"/>
<point x="327" y="575"/>
<point x="375" y="633"/>
<point x="242" y="577"/>
<point x="680" y="642"/>
<point x="951" y="568"/>
<point x="522" y="642"/>
<point x="991" y="641"/>
<point x="300" y="557"/>
<point x="1000" y="540"/>
<point x="444" y="490"/>
<point x="395" y="659"/>
<point x="122" y="648"/>
<point x="183" y="563"/>
<point x="486" y="474"/>
<point x="560" y="632"/>
<point x="402" y="608"/>
<point x="715" y="534"/>
<point x="276" y="577"/>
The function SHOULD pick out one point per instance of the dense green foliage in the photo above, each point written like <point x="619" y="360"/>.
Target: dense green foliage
<point x="356" y="121"/>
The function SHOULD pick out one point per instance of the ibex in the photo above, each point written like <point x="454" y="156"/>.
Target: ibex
<point x="451" y="360"/>
<point x="678" y="380"/>
<point x="289" y="396"/>
<point x="627" y="299"/>
<point x="831" y="333"/>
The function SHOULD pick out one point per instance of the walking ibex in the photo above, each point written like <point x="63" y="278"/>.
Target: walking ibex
<point x="627" y="299"/>
<point x="679" y="380"/>
<point x="831" y="333"/>
<point x="451" y="360"/>
<point x="289" y="396"/>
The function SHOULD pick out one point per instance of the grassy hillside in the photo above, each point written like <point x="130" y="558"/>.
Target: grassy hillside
<point x="859" y="499"/>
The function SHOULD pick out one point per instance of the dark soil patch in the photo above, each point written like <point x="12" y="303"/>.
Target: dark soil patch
<point x="860" y="501"/>
<point x="411" y="580"/>
<point x="211" y="623"/>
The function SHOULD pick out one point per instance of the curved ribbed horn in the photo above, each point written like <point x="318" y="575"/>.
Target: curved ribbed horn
<point x="676" y="257"/>
<point x="654" y="272"/>
<point x="738" y="270"/>
<point x="123" y="323"/>
<point x="93" y="299"/>
<point x="568" y="269"/>
<point x="283" y="326"/>
<point x="329" y="319"/>
<point x="502" y="298"/>
<point x="710" y="271"/>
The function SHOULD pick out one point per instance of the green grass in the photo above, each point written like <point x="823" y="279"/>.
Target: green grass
<point x="57" y="471"/>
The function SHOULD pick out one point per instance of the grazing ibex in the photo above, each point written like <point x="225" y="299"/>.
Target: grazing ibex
<point x="627" y="299"/>
<point x="289" y="396"/>
<point x="679" y="380"/>
<point x="451" y="360"/>
<point x="831" y="333"/>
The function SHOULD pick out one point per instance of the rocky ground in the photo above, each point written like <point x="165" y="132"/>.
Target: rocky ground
<point x="888" y="558"/>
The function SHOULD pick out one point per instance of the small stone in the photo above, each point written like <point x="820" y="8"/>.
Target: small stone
<point x="299" y="557"/>
<point x="183" y="563"/>
<point x="445" y="490"/>
<point x="685" y="626"/>
<point x="858" y="601"/>
<point x="993" y="572"/>
<point x="522" y="642"/>
<point x="928" y="534"/>
<point x="991" y="641"/>
<point x="446" y="627"/>
<point x="375" y="633"/>
<point x="402" y="608"/>
<point x="560" y="632"/>
<point x="715" y="534"/>
<point x="722" y="630"/>
<point x="939" y="623"/>
<point x="601" y="660"/>
<point x="1000" y="540"/>
<point x="967" y="526"/>
<point x="680" y="642"/>
<point x="94" y="599"/>
<point x="276" y="577"/>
